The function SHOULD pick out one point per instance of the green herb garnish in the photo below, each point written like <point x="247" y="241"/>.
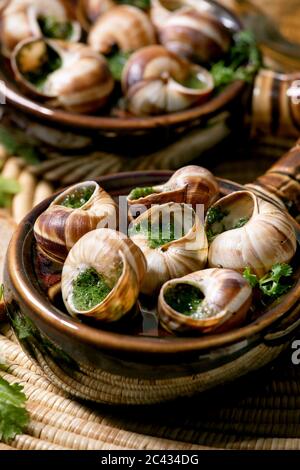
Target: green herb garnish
<point x="194" y="82"/>
<point x="89" y="289"/>
<point x="242" y="63"/>
<point x="55" y="29"/>
<point x="184" y="298"/>
<point x="274" y="283"/>
<point x="138" y="193"/>
<point x="36" y="61"/>
<point x="1" y="292"/>
<point x="15" y="144"/>
<point x="116" y="62"/>
<point x="13" y="415"/>
<point x="78" y="198"/>
<point x="8" y="188"/>
<point x="241" y="222"/>
<point x="215" y="215"/>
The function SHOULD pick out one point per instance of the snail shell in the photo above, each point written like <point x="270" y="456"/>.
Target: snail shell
<point x="81" y="80"/>
<point x="280" y="92"/>
<point x="189" y="31"/>
<point x="267" y="237"/>
<point x="155" y="81"/>
<point x="89" y="10"/>
<point x="191" y="185"/>
<point x="227" y="299"/>
<point x="20" y="20"/>
<point x="115" y="257"/>
<point x="124" y="26"/>
<point x="170" y="259"/>
<point x="58" y="228"/>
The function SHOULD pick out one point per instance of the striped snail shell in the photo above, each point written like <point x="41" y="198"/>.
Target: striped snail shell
<point x="191" y="185"/>
<point x="173" y="241"/>
<point x="65" y="221"/>
<point x="249" y="232"/>
<point x="156" y="81"/>
<point x="112" y="263"/>
<point x="124" y="26"/>
<point x="72" y="75"/>
<point x="24" y="19"/>
<point x="189" y="30"/>
<point x="88" y="11"/>
<point x="211" y="300"/>
<point x="276" y="103"/>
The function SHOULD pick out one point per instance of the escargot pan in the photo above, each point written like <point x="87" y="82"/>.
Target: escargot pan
<point x="161" y="316"/>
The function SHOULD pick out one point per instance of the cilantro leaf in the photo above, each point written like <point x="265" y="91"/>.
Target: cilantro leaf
<point x="251" y="278"/>
<point x="16" y="144"/>
<point x="243" y="61"/>
<point x="274" y="283"/>
<point x="13" y="415"/>
<point x="8" y="188"/>
<point x="116" y="62"/>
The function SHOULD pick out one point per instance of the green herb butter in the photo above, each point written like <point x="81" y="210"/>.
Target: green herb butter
<point x="89" y="289"/>
<point x="78" y="198"/>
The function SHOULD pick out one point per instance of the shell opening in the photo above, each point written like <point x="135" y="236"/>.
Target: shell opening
<point x="76" y="198"/>
<point x="138" y="193"/>
<point x="233" y="215"/>
<point x="53" y="28"/>
<point x="187" y="299"/>
<point x="90" y="288"/>
<point x="36" y="61"/>
<point x="195" y="81"/>
<point x="165" y="225"/>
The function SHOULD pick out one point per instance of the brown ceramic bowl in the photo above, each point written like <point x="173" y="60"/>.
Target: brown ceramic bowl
<point x="121" y="367"/>
<point x="165" y="127"/>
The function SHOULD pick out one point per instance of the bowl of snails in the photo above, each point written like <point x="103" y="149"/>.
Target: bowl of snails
<point x="124" y="67"/>
<point x="144" y="287"/>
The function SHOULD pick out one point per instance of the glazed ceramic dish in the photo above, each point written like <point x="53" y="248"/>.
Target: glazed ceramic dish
<point x="68" y="111"/>
<point x="133" y="359"/>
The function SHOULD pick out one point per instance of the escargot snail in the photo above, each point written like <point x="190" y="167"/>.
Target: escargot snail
<point x="23" y="19"/>
<point x="76" y="211"/>
<point x="124" y="26"/>
<point x="155" y="80"/>
<point x="185" y="28"/>
<point x="191" y="184"/>
<point x="89" y="10"/>
<point x="72" y="75"/>
<point x="173" y="241"/>
<point x="102" y="275"/>
<point x="212" y="300"/>
<point x="245" y="230"/>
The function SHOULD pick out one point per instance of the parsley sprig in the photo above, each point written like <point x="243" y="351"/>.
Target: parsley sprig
<point x="8" y="188"/>
<point x="13" y="415"/>
<point x="274" y="283"/>
<point x="243" y="61"/>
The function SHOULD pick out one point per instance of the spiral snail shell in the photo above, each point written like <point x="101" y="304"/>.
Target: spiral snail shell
<point x="24" y="19"/>
<point x="78" y="210"/>
<point x="124" y="26"/>
<point x="248" y="231"/>
<point x="101" y="276"/>
<point x="173" y="241"/>
<point x="191" y="185"/>
<point x="212" y="300"/>
<point x="276" y="103"/>
<point x="155" y="80"/>
<point x="189" y="30"/>
<point x="72" y="75"/>
<point x="88" y="11"/>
